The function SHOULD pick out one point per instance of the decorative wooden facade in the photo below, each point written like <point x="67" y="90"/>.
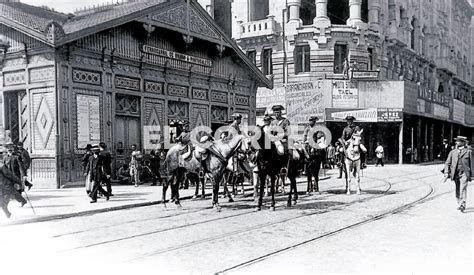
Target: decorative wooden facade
<point x="103" y="76"/>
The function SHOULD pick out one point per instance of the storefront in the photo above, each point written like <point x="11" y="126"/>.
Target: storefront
<point x="107" y="74"/>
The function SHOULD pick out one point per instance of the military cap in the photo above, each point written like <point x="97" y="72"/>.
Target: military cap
<point x="277" y="108"/>
<point x="313" y="118"/>
<point x="461" y="138"/>
<point x="236" y="116"/>
<point x="350" y="118"/>
<point x="95" y="147"/>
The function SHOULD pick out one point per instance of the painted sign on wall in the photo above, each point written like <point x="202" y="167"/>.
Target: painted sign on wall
<point x="266" y="98"/>
<point x="304" y="100"/>
<point x="459" y="111"/>
<point x="345" y="94"/>
<point x="88" y="120"/>
<point x="361" y="115"/>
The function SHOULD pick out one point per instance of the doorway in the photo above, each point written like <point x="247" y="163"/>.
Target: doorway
<point x="12" y="118"/>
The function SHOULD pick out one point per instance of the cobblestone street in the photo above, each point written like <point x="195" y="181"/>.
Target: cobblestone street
<point x="405" y="220"/>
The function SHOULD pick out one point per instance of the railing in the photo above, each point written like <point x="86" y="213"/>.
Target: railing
<point x="258" y="28"/>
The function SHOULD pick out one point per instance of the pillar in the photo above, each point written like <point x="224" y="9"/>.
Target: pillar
<point x="374" y="15"/>
<point x="321" y="20"/>
<point x="431" y="141"/>
<point x="355" y="13"/>
<point x="294" y="11"/>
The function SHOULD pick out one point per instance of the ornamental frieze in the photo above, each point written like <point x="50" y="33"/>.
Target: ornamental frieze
<point x="177" y="91"/>
<point x="14" y="78"/>
<point x="153" y="87"/>
<point x="87" y="77"/>
<point x="199" y="94"/>
<point x="218" y="97"/>
<point x="127" y="83"/>
<point x="42" y="74"/>
<point x="241" y="100"/>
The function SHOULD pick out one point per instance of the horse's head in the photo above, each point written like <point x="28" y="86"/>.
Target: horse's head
<point x="355" y="140"/>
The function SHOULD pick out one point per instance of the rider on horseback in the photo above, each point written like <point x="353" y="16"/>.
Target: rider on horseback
<point x="347" y="134"/>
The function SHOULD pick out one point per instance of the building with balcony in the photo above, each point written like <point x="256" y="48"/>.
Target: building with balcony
<point x="408" y="75"/>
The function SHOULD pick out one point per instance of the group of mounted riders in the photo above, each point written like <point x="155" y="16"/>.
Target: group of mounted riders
<point x="232" y="157"/>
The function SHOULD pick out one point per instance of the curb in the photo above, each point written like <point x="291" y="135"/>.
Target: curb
<point x="116" y="208"/>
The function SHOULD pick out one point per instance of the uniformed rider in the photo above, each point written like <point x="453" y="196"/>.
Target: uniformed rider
<point x="347" y="134"/>
<point x="281" y="121"/>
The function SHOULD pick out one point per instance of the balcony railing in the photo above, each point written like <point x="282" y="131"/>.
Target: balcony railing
<point x="265" y="27"/>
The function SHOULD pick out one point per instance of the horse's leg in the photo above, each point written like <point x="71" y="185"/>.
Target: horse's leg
<point x="4" y="203"/>
<point x="358" y="166"/>
<point x="179" y="179"/>
<point x="256" y="181"/>
<point x="272" y="189"/>
<point x="203" y="186"/>
<point x="263" y="179"/>
<point x="348" y="178"/>
<point x="316" y="176"/>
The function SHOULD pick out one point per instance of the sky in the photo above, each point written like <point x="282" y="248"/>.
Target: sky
<point x="66" y="6"/>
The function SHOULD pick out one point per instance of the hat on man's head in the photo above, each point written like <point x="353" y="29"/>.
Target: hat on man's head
<point x="350" y="118"/>
<point x="461" y="138"/>
<point x="313" y="118"/>
<point x="8" y="144"/>
<point x="445" y="139"/>
<point x="95" y="147"/>
<point x="88" y="147"/>
<point x="277" y="108"/>
<point x="19" y="143"/>
<point x="236" y="116"/>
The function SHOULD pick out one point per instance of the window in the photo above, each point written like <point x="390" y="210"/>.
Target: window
<point x="267" y="66"/>
<point x="338" y="11"/>
<point x="340" y="54"/>
<point x="252" y="54"/>
<point x="413" y="34"/>
<point x="258" y="9"/>
<point x="302" y="59"/>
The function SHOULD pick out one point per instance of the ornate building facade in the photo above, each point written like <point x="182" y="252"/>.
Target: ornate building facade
<point x="408" y="59"/>
<point x="104" y="74"/>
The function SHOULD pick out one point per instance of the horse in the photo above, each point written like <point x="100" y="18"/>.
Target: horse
<point x="214" y="159"/>
<point x="352" y="161"/>
<point x="270" y="163"/>
<point x="295" y="158"/>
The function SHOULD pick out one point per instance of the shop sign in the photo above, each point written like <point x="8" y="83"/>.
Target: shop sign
<point x="389" y="114"/>
<point x="88" y="120"/>
<point x="177" y="56"/>
<point x="266" y="98"/>
<point x="361" y="115"/>
<point x="345" y="94"/>
<point x="435" y="97"/>
<point x="304" y="100"/>
<point x="365" y="75"/>
<point x="441" y="111"/>
<point x="459" y="111"/>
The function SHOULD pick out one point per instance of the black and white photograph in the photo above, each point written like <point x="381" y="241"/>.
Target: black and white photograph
<point x="236" y="137"/>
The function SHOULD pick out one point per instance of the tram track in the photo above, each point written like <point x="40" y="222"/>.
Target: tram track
<point x="307" y="198"/>
<point x="187" y="212"/>
<point x="427" y="197"/>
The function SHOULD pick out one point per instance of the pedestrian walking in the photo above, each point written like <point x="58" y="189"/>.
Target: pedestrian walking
<point x="85" y="162"/>
<point x="331" y="155"/>
<point x="25" y="160"/>
<point x="339" y="158"/>
<point x="444" y="150"/>
<point x="459" y="167"/>
<point x="97" y="174"/>
<point x="9" y="185"/>
<point x="107" y="166"/>
<point x="12" y="162"/>
<point x="379" y="154"/>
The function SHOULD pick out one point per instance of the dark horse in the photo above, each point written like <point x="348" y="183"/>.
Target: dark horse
<point x="214" y="159"/>
<point x="269" y="163"/>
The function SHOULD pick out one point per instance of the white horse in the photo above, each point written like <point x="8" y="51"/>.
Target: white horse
<point x="352" y="161"/>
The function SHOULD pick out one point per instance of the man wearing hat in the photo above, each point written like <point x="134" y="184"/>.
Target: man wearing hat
<point x="459" y="167"/>
<point x="25" y="161"/>
<point x="311" y="124"/>
<point x="279" y="119"/>
<point x="95" y="169"/>
<point x="13" y="163"/>
<point x="85" y="161"/>
<point x="267" y="121"/>
<point x="237" y="120"/>
<point x="347" y="134"/>
<point x="185" y="137"/>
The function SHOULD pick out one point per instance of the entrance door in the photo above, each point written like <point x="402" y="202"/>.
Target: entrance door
<point x="127" y="132"/>
<point x="12" y="121"/>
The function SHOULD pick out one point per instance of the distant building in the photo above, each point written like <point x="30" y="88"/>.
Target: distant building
<point x="409" y="72"/>
<point x="104" y="74"/>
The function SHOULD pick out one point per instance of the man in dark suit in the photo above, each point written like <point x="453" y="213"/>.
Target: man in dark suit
<point x="95" y="169"/>
<point x="12" y="162"/>
<point x="106" y="160"/>
<point x="459" y="167"/>
<point x="25" y="160"/>
<point x="444" y="150"/>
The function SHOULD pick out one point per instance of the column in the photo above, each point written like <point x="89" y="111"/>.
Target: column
<point x="355" y="13"/>
<point x="294" y="11"/>
<point x="374" y="15"/>
<point x="321" y="20"/>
